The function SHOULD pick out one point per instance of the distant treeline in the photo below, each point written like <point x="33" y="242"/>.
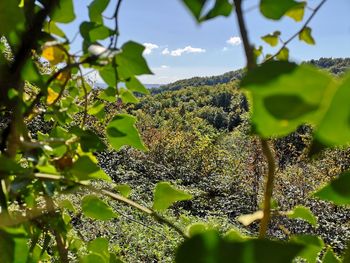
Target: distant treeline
<point x="334" y="65"/>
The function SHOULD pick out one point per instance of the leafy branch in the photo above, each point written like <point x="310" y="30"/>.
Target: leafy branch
<point x="307" y="22"/>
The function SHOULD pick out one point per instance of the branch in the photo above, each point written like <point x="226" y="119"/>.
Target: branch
<point x="116" y="27"/>
<point x="285" y="44"/>
<point x="118" y="198"/>
<point x="251" y="64"/>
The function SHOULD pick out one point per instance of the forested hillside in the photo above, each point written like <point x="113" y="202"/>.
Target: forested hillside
<point x="252" y="166"/>
<point x="199" y="139"/>
<point x="334" y="65"/>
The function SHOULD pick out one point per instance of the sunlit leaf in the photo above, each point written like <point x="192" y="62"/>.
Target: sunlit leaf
<point x="85" y="169"/>
<point x="272" y="39"/>
<point x="97" y="109"/>
<point x="121" y="131"/>
<point x="196" y="228"/>
<point x="305" y="35"/>
<point x="133" y="84"/>
<point x="276" y="9"/>
<point x="124" y="189"/>
<point x="165" y="195"/>
<point x="95" y="208"/>
<point x="99" y="246"/>
<point x="109" y="94"/>
<point x="51" y="96"/>
<point x="127" y="96"/>
<point x="330" y="257"/>
<point x="54" y="54"/>
<point x="283" y="55"/>
<point x="297" y="12"/>
<point x="304" y="213"/>
<point x="337" y="191"/>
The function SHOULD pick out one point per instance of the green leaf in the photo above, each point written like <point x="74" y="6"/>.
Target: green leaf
<point x="133" y="84"/>
<point x="52" y="28"/>
<point x="96" y="9"/>
<point x="337" y="191"/>
<point x="127" y="96"/>
<point x="334" y="130"/>
<point x="330" y="257"/>
<point x="11" y="17"/>
<point x="196" y="228"/>
<point x="124" y="190"/>
<point x="92" y="32"/>
<point x="210" y="247"/>
<point x="122" y="131"/>
<point x="99" y="246"/>
<point x="67" y="204"/>
<point x="13" y="244"/>
<point x="283" y="55"/>
<point x="108" y="74"/>
<point x="272" y="39"/>
<point x="95" y="208"/>
<point x="304" y="213"/>
<point x="93" y="258"/>
<point x="86" y="169"/>
<point x="165" y="195"/>
<point x="97" y="110"/>
<point x="288" y="107"/>
<point x="313" y="246"/>
<point x="131" y="62"/>
<point x="297" y="12"/>
<point x="285" y="96"/>
<point x="273" y="9"/>
<point x="305" y="35"/>
<point x="109" y="94"/>
<point x="63" y="12"/>
<point x="89" y="141"/>
<point x="220" y="8"/>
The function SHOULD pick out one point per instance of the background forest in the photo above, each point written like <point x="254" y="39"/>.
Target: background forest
<point x="251" y="166"/>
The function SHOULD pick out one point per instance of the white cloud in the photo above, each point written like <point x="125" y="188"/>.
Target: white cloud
<point x="178" y="52"/>
<point x="164" y="66"/>
<point x="224" y="49"/>
<point x="166" y="51"/>
<point x="234" y="41"/>
<point x="149" y="48"/>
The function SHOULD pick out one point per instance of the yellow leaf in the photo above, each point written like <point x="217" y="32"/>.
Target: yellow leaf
<point x="51" y="96"/>
<point x="63" y="76"/>
<point x="54" y="54"/>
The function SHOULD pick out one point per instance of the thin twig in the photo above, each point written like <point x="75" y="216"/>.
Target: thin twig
<point x="116" y="26"/>
<point x="307" y="22"/>
<point x="85" y="99"/>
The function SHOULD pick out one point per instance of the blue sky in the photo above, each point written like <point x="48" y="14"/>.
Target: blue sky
<point x="180" y="48"/>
